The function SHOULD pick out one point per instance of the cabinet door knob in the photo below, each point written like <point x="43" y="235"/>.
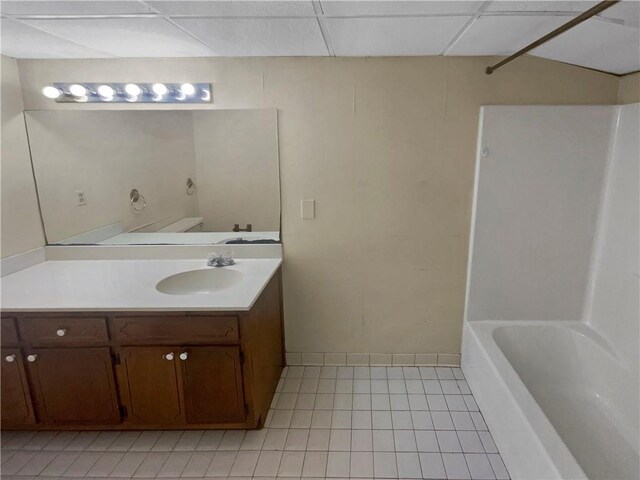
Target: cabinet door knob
<point x="168" y="356"/>
<point x="32" y="358"/>
<point x="61" y="332"/>
<point x="10" y="358"/>
<point x="184" y="356"/>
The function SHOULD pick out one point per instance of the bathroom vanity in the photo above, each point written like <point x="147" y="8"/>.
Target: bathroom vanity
<point x="209" y="366"/>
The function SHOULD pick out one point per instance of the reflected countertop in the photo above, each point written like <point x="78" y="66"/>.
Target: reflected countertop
<point x="127" y="285"/>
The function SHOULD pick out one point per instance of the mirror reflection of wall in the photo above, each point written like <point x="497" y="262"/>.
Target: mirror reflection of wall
<point x="87" y="163"/>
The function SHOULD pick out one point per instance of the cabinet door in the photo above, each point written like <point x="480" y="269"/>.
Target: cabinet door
<point x="212" y="383"/>
<point x="74" y="385"/>
<point x="150" y="385"/>
<point x="16" y="400"/>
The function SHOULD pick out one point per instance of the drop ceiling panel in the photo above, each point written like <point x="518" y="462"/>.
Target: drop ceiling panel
<point x="389" y="8"/>
<point x="596" y="44"/>
<point x="258" y="36"/>
<point x="539" y="6"/>
<point x="235" y="8"/>
<point x="64" y="7"/>
<point x="627" y="12"/>
<point x="125" y="37"/>
<point x="500" y="35"/>
<point x="393" y="35"/>
<point x="21" y="41"/>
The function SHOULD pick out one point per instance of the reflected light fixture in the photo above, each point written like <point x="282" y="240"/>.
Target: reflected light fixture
<point x="128" y="92"/>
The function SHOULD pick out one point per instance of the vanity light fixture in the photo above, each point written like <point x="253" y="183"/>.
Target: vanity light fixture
<point x="159" y="90"/>
<point x="106" y="92"/>
<point x="188" y="89"/>
<point x="51" y="92"/>
<point x="77" y="90"/>
<point x="128" y="92"/>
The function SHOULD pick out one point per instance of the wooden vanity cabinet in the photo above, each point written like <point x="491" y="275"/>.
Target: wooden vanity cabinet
<point x="17" y="409"/>
<point x="73" y="385"/>
<point x="15" y="395"/>
<point x="155" y="370"/>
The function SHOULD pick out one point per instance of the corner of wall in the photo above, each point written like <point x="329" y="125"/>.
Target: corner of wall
<point x="629" y="89"/>
<point x="21" y="225"/>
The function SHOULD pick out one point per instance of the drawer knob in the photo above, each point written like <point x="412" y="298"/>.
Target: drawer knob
<point x="10" y="358"/>
<point x="61" y="332"/>
<point x="168" y="356"/>
<point x="184" y="356"/>
<point x="32" y="358"/>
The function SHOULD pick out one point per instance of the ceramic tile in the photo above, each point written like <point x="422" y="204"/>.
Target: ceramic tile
<point x="268" y="464"/>
<point x="358" y="359"/>
<point x="427" y="441"/>
<point x="383" y="441"/>
<point x="455" y="466"/>
<point x="432" y="466"/>
<point x="384" y="465"/>
<point x="338" y="464"/>
<point x="336" y="422"/>
<point x="315" y="464"/>
<point x="361" y="464"/>
<point x="408" y="465"/>
<point x="297" y="439"/>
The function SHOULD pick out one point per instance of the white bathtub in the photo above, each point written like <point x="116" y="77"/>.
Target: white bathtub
<point x="559" y="402"/>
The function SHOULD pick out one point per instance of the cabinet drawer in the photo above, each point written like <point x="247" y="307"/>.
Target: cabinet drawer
<point x="175" y="330"/>
<point x="8" y="332"/>
<point x="64" y="331"/>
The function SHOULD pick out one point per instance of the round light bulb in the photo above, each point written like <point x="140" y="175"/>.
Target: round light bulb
<point x="51" y="92"/>
<point x="132" y="89"/>
<point x="188" y="89"/>
<point x="159" y="89"/>
<point x="105" y="91"/>
<point x="77" y="90"/>
<point x="206" y="95"/>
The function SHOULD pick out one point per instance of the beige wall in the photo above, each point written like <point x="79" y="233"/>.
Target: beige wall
<point x="386" y="147"/>
<point x="236" y="158"/>
<point x="21" y="229"/>
<point x="629" y="89"/>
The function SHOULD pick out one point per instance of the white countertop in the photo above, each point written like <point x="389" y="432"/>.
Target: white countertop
<point x="184" y="238"/>
<point x="127" y="285"/>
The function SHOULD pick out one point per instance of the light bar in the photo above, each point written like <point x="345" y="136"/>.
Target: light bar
<point x="129" y="92"/>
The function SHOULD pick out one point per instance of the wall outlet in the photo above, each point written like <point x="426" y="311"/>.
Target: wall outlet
<point x="81" y="199"/>
<point x="308" y="209"/>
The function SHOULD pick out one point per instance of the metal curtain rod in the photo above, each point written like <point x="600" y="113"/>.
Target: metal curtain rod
<point x="579" y="19"/>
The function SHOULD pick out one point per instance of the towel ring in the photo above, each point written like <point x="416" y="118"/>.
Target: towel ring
<point x="191" y="187"/>
<point x="134" y="197"/>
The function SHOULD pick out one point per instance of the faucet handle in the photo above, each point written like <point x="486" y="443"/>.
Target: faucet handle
<point x="213" y="259"/>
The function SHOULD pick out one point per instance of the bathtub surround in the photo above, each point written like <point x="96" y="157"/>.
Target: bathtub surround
<point x="557" y="375"/>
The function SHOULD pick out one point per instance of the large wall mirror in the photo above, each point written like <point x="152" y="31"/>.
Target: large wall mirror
<point x="157" y="176"/>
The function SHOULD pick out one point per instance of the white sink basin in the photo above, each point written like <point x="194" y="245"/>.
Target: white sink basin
<point x="199" y="281"/>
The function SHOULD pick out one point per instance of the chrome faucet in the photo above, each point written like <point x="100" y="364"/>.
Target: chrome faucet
<point x="220" y="260"/>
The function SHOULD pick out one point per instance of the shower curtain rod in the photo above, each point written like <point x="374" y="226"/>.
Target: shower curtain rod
<point x="563" y="28"/>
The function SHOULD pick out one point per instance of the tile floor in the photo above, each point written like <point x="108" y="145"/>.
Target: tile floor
<point x="325" y="422"/>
